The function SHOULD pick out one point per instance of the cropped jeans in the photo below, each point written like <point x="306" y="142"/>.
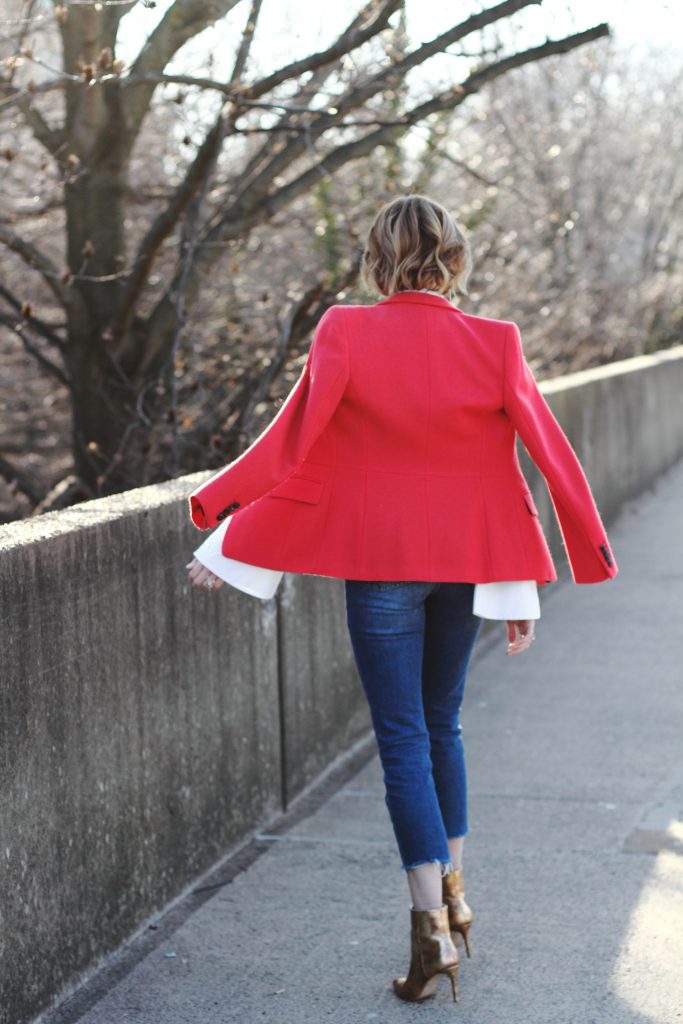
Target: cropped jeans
<point x="412" y="643"/>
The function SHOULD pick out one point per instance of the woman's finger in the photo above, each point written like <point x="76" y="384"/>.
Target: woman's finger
<point x="201" y="577"/>
<point x="518" y="648"/>
<point x="193" y="567"/>
<point x="200" y="574"/>
<point x="520" y="635"/>
<point x="196" y="574"/>
<point x="522" y="644"/>
<point x="514" y="630"/>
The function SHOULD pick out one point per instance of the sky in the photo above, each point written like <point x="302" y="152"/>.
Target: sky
<point x="298" y="27"/>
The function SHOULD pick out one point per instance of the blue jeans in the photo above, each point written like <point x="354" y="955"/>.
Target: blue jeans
<point x="412" y="643"/>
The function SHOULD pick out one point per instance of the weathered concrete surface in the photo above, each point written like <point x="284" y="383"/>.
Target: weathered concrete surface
<point x="625" y="422"/>
<point x="322" y="713"/>
<point x="142" y="727"/>
<point x="147" y="729"/>
<point x="574" y="861"/>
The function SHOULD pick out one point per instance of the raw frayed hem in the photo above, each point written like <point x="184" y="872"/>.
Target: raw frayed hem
<point x="445" y="865"/>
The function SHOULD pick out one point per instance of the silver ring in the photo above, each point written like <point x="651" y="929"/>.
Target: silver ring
<point x="209" y="584"/>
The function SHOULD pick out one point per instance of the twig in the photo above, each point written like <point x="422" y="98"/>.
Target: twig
<point x="34" y="258"/>
<point x="46" y="331"/>
<point x="23" y="481"/>
<point x="18" y="327"/>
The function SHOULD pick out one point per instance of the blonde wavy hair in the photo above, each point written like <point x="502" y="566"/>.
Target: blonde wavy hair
<point x="415" y="243"/>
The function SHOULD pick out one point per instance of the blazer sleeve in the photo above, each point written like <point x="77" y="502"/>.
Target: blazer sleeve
<point x="585" y="539"/>
<point x="284" y="444"/>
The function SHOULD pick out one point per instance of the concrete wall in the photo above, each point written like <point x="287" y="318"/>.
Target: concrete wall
<point x="147" y="728"/>
<point x="625" y="422"/>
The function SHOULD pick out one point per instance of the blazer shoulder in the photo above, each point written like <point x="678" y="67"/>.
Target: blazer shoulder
<point x="489" y="323"/>
<point x="330" y="342"/>
<point x="330" y="324"/>
<point x="346" y="319"/>
<point x="348" y="310"/>
<point x="338" y="315"/>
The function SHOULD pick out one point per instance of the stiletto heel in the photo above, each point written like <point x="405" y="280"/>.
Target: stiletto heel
<point x="463" y="927"/>
<point x="459" y="914"/>
<point x="453" y="975"/>
<point x="432" y="952"/>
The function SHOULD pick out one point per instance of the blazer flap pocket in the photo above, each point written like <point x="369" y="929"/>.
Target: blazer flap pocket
<point x="301" y="488"/>
<point x="530" y="504"/>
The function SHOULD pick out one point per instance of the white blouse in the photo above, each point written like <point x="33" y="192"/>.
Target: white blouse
<point x="508" y="599"/>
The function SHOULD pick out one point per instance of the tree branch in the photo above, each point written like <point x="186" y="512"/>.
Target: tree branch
<point x="232" y="224"/>
<point x="256" y="204"/>
<point x="369" y="22"/>
<point x="183" y="20"/>
<point x="45" y="330"/>
<point x="245" y="44"/>
<point x="283" y="156"/>
<point x="302" y="99"/>
<point x="360" y="93"/>
<point x="372" y="20"/>
<point x="17" y="326"/>
<point x="477" y="175"/>
<point x="163" y="225"/>
<point x="37" y="260"/>
<point x="300" y="318"/>
<point x="21" y="480"/>
<point x="50" y="138"/>
<point x="196" y="176"/>
<point x="359" y="30"/>
<point x="252" y="388"/>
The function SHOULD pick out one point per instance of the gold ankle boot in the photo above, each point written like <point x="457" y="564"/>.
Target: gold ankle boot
<point x="459" y="914"/>
<point x="432" y="953"/>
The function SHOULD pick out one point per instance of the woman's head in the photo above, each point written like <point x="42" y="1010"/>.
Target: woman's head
<point x="415" y="243"/>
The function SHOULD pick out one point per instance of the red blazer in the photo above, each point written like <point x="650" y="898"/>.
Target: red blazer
<point x="393" y="457"/>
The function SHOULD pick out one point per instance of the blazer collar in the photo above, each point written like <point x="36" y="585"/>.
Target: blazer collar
<point x="421" y="298"/>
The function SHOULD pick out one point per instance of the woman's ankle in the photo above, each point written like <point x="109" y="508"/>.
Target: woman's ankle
<point x="455" y="848"/>
<point x="424" y="882"/>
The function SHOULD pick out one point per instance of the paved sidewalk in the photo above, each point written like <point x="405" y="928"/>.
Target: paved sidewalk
<point x="574" y="862"/>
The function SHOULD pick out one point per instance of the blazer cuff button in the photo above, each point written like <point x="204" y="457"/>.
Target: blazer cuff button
<point x="220" y="516"/>
<point x="606" y="554"/>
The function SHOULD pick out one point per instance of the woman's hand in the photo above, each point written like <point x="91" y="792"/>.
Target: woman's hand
<point x="520" y="634"/>
<point x="201" y="578"/>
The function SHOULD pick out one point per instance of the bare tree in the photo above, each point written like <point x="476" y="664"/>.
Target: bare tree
<point x="575" y="204"/>
<point x="111" y="318"/>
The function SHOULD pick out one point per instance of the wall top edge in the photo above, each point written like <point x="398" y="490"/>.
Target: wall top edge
<point x="141" y="500"/>
<point x="616" y="369"/>
<point x="94" y="513"/>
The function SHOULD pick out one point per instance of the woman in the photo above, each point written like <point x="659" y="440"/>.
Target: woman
<point x="392" y="464"/>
